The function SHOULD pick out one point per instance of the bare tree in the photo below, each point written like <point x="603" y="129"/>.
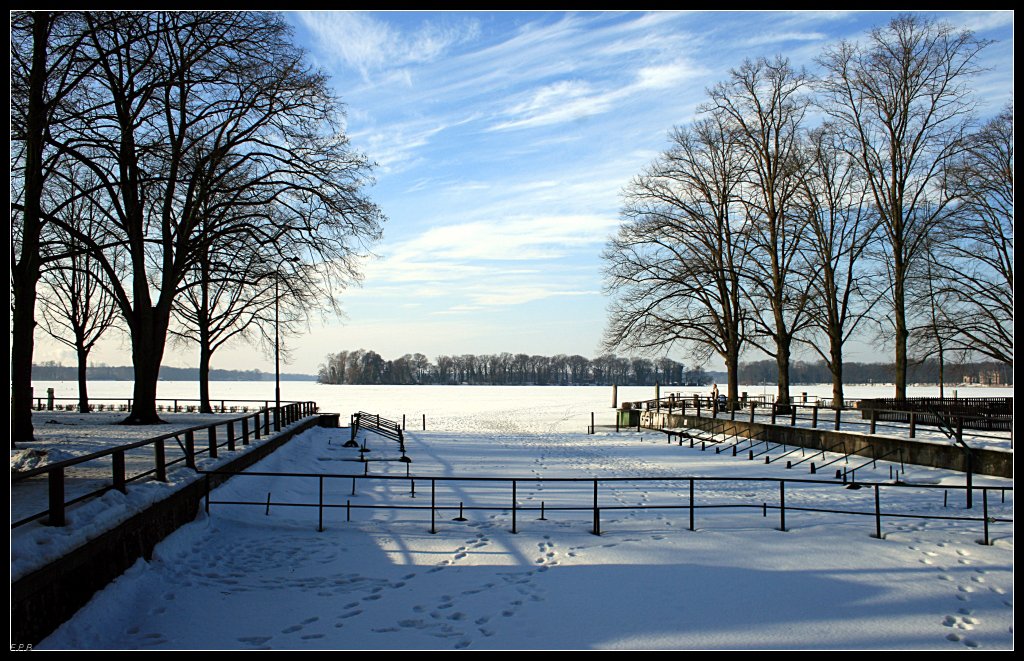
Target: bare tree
<point x="978" y="258"/>
<point x="673" y="271"/>
<point x="841" y="226"/>
<point x="46" y="73"/>
<point x="765" y="101"/>
<point x="903" y="101"/>
<point x="185" y="101"/>
<point x="77" y="308"/>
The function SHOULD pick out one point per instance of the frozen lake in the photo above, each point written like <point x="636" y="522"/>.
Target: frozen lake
<point x="471" y="408"/>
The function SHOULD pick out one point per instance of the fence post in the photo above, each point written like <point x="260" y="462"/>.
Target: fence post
<point x="213" y="441"/>
<point x="751" y="412"/>
<point x="792" y="415"/>
<point x="691" y="503"/>
<point x="814" y="417"/>
<point x="782" y="505"/>
<point x="231" y="436"/>
<point x="775" y="410"/>
<point x="874" y="417"/>
<point x="55" y="484"/>
<point x="433" y="504"/>
<point x="984" y="512"/>
<point x="277" y="418"/>
<point x="256" y="425"/>
<point x="161" y="462"/>
<point x="190" y="449"/>
<point x="118" y="459"/>
<point x="597" y="513"/>
<point x="266" y="420"/>
<point x="320" y="528"/>
<point x="913" y="424"/>
<point x="424" y="422"/>
<point x="513" y="506"/>
<point x="878" y="515"/>
<point x="839" y="417"/>
<point x="245" y="430"/>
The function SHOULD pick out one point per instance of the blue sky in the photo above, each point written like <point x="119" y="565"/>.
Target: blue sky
<point x="503" y="141"/>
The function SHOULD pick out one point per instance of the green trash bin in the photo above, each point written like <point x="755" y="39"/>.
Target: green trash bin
<point x="630" y="418"/>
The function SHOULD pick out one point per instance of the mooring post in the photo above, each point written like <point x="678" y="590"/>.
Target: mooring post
<point x="597" y="513"/>
<point x="615" y="396"/>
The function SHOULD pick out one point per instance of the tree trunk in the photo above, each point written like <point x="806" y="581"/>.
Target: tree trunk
<point x="782" y="362"/>
<point x="204" y="372"/>
<point x="149" y="334"/>
<point x="25" y="273"/>
<point x="83" y="387"/>
<point x="836" y="366"/>
<point x="901" y="339"/>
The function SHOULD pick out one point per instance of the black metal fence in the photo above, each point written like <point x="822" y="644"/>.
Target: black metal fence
<point x="817" y="414"/>
<point x="169" y="405"/>
<point x="675" y="485"/>
<point x="252" y="427"/>
<point x="985" y="413"/>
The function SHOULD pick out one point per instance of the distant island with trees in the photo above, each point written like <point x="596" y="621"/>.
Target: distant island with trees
<point x="363" y="367"/>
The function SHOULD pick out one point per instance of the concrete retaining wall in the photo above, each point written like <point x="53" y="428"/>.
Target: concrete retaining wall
<point x="46" y="598"/>
<point x="988" y="462"/>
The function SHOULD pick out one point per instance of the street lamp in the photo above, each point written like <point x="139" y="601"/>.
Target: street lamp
<point x="277" y="344"/>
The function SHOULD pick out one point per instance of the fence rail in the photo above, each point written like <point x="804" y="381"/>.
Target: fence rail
<point x="262" y="422"/>
<point x="895" y="422"/>
<point x="595" y="506"/>
<point x="168" y="404"/>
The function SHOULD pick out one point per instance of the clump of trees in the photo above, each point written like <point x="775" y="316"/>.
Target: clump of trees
<point x="192" y="165"/>
<point x="368" y="367"/>
<point x="760" y="227"/>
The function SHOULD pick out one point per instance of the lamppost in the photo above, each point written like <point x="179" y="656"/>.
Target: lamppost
<point x="277" y="343"/>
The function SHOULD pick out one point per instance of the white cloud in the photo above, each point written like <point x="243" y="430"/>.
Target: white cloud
<point x="371" y="46"/>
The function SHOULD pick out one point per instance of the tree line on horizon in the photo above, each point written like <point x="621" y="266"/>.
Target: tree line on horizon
<point x="363" y="367"/>
<point x="802" y="209"/>
<point x="182" y="175"/>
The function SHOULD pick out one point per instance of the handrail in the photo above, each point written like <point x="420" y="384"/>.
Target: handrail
<point x="282" y="416"/>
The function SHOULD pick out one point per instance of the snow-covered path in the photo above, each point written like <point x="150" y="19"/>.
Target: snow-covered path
<point x="240" y="579"/>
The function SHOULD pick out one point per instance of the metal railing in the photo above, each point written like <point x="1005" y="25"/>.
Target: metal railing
<point x="872" y="421"/>
<point x="253" y="427"/>
<point x="372" y="422"/>
<point x="164" y="404"/>
<point x="676" y="486"/>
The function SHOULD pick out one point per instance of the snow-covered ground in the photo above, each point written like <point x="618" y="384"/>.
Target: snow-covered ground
<point x="240" y="578"/>
<point x="497" y="409"/>
<point x="64" y="435"/>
